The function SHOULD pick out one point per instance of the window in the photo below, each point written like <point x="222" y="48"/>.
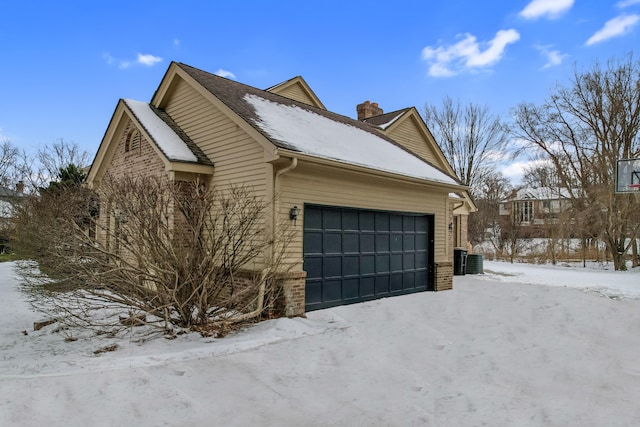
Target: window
<point x="132" y="141"/>
<point x="524" y="211"/>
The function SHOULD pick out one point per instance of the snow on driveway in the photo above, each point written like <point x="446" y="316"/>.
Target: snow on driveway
<point x="500" y="349"/>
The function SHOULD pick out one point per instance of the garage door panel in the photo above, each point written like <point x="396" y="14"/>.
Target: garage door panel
<point x="367" y="221"/>
<point x="395" y="222"/>
<point x="396" y="262"/>
<point x="421" y="224"/>
<point x="351" y="265"/>
<point x="332" y="266"/>
<point x="350" y="220"/>
<point x="408" y="223"/>
<point x="408" y="242"/>
<point x="353" y="255"/>
<point x="408" y="280"/>
<point x="312" y="219"/>
<point x="367" y="286"/>
<point x="396" y="282"/>
<point x="313" y="290"/>
<point x="382" y="221"/>
<point x="332" y="243"/>
<point x="351" y="289"/>
<point x="332" y="290"/>
<point x="395" y="244"/>
<point x="367" y="264"/>
<point x="332" y="220"/>
<point x="421" y="278"/>
<point x="313" y="267"/>
<point x="382" y="263"/>
<point x="367" y="243"/>
<point x="312" y="242"/>
<point x="351" y="242"/>
<point x="382" y="242"/>
<point x="408" y="261"/>
<point x="420" y="260"/>
<point x="382" y="285"/>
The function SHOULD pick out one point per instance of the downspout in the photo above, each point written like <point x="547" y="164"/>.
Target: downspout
<point x="263" y="273"/>
<point x="453" y="210"/>
<point x="276" y="201"/>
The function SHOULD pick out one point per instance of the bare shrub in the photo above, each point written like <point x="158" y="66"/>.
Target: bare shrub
<point x="185" y="255"/>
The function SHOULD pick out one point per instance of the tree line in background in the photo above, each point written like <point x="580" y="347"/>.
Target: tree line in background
<point x="575" y="137"/>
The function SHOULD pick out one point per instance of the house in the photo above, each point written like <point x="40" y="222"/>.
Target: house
<point x="376" y="207"/>
<point x="535" y="210"/>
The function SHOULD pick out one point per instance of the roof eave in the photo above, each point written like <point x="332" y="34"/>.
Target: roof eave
<point x="370" y="171"/>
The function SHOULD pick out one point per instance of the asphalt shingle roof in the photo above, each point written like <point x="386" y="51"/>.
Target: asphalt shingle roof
<point x="237" y="96"/>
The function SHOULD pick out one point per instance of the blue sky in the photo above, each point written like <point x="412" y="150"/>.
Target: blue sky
<point x="66" y="64"/>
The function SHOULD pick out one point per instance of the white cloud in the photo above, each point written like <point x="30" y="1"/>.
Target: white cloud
<point x="546" y="8"/>
<point x="107" y="57"/>
<point x="626" y="3"/>
<point x="148" y="60"/>
<point x="553" y="56"/>
<point x="615" y="27"/>
<point x="176" y="42"/>
<point x="516" y="170"/>
<point x="466" y="54"/>
<point x="225" y="73"/>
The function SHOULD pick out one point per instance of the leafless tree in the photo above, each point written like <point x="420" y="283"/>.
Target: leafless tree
<point x="473" y="140"/>
<point x="39" y="169"/>
<point x="179" y="254"/>
<point x="8" y="160"/>
<point x="583" y="129"/>
<point x="485" y="223"/>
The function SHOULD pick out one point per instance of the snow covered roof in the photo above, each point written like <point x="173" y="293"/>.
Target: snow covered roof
<point x="383" y="121"/>
<point x="167" y="136"/>
<point x="313" y="134"/>
<point x="9" y="193"/>
<point x="540" y="193"/>
<point x="316" y="132"/>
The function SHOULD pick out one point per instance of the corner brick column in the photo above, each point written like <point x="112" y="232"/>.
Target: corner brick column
<point x="444" y="276"/>
<point x="291" y="286"/>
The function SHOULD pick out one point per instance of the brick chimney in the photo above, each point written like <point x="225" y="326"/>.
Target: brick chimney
<point x="20" y="187"/>
<point x="368" y="109"/>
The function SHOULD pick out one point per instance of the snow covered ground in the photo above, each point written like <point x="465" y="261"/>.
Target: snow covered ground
<point x="520" y="345"/>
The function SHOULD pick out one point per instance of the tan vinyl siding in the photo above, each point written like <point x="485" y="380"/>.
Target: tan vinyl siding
<point x="408" y="134"/>
<point x="296" y="93"/>
<point x="328" y="186"/>
<point x="238" y="158"/>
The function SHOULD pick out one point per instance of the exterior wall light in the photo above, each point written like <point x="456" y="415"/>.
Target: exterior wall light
<point x="293" y="214"/>
<point x="450" y="226"/>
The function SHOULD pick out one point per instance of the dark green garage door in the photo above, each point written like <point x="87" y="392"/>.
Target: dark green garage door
<point x="353" y="255"/>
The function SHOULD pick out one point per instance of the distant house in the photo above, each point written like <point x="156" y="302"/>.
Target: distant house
<point x="534" y="210"/>
<point x="380" y="208"/>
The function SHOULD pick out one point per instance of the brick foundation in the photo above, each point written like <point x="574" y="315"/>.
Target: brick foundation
<point x="444" y="276"/>
<point x="290" y="291"/>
